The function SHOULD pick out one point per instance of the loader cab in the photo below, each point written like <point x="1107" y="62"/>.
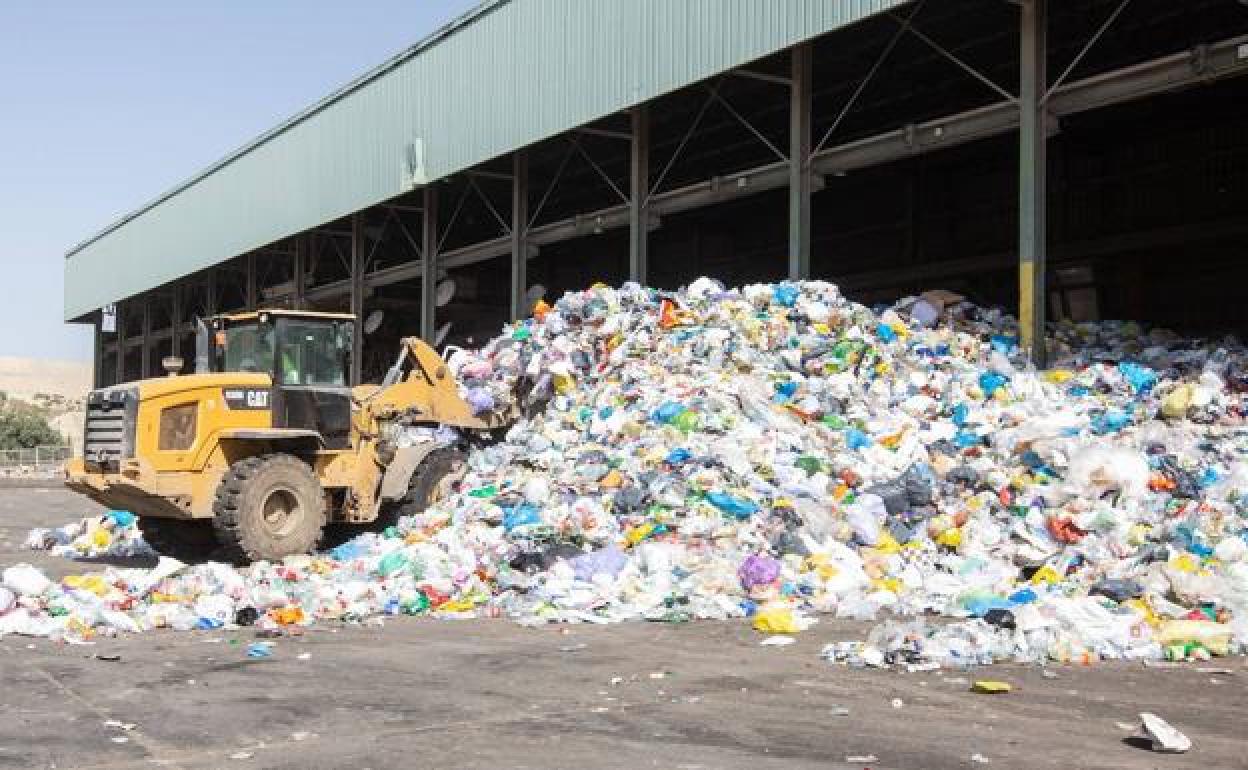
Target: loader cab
<point x="308" y="355"/>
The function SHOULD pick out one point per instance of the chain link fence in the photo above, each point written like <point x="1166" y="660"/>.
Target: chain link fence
<point x="36" y="461"/>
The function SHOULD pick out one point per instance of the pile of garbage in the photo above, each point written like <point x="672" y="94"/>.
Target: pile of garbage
<point x="777" y="452"/>
<point x="113" y="535"/>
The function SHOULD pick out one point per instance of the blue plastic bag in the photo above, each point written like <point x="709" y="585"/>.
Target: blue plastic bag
<point x="786" y="388"/>
<point x="886" y="333"/>
<point x="348" y="551"/>
<point x="678" y="456"/>
<point x="1110" y="422"/>
<point x="1004" y="343"/>
<point x="991" y="382"/>
<point x="784" y="295"/>
<point x="1141" y="378"/>
<point x="960" y="413"/>
<point x="856" y="439"/>
<point x="966" y="439"/>
<point x="121" y="519"/>
<point x="734" y="506"/>
<point x="523" y="515"/>
<point x="667" y="411"/>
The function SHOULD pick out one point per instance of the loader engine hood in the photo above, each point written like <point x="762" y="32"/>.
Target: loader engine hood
<point x="117" y="415"/>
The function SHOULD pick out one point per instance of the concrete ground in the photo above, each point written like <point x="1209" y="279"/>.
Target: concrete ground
<point x="491" y="694"/>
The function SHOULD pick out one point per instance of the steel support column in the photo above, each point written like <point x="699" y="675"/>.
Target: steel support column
<point x="145" y="352"/>
<point x="1032" y="178"/>
<point x="97" y="351"/>
<point x="429" y="266"/>
<point x="121" y="344"/>
<point x="639" y="195"/>
<point x="175" y="320"/>
<point x="300" y="269"/>
<point x="210" y="292"/>
<point x="357" y="295"/>
<point x="252" y="290"/>
<point x="519" y="235"/>
<point x="799" y="163"/>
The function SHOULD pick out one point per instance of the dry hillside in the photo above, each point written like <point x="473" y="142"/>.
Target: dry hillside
<point x="57" y="385"/>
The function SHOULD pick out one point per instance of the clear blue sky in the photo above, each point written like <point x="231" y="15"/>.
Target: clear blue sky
<point x="105" y="105"/>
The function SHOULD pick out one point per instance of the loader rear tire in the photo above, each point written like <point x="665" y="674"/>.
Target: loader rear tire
<point x="269" y="507"/>
<point x="188" y="541"/>
<point x="432" y="482"/>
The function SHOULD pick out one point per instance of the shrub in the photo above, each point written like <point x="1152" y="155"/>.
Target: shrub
<point x="23" y="426"/>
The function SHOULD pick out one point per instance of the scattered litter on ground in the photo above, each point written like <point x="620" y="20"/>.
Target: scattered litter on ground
<point x="260" y="650"/>
<point x="1164" y="738"/>
<point x="990" y="687"/>
<point x="774" y="453"/>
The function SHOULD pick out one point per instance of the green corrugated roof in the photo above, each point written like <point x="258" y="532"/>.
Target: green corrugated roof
<point x="507" y="74"/>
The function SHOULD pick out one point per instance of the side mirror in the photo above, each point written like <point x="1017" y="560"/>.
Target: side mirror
<point x="172" y="365"/>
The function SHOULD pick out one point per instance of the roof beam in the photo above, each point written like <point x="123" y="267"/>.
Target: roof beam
<point x="1170" y="73"/>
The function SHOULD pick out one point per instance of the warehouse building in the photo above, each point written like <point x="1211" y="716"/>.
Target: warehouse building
<point x="1085" y="159"/>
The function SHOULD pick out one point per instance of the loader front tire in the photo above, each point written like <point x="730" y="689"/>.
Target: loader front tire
<point x="432" y="481"/>
<point x="269" y="507"/>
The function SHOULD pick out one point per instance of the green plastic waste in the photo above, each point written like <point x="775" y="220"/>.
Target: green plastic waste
<point x="810" y="464"/>
<point x="393" y="563"/>
<point x="416" y="605"/>
<point x="687" y="421"/>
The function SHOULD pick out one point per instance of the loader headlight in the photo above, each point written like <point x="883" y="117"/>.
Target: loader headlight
<point x="177" y="427"/>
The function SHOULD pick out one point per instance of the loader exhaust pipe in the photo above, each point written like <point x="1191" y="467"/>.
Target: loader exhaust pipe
<point x="203" y="361"/>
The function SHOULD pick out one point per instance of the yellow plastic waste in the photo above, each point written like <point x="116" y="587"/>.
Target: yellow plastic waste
<point x="1214" y="637"/>
<point x="458" y="605"/>
<point x="887" y="544"/>
<point x="819" y="565"/>
<point x="100" y="538"/>
<point x="1144" y="608"/>
<point x="1046" y="574"/>
<point x="951" y="538"/>
<point x="990" y="687"/>
<point x="639" y="533"/>
<point x="1185" y="563"/>
<point x="1059" y="376"/>
<point x="563" y="383"/>
<point x="93" y="583"/>
<point x="287" y="616"/>
<point x="1174" y="405"/>
<point x="776" y="620"/>
<point x="892" y="585"/>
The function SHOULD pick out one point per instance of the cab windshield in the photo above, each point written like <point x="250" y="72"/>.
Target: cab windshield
<point x="313" y="352"/>
<point x="248" y="347"/>
<point x="295" y="351"/>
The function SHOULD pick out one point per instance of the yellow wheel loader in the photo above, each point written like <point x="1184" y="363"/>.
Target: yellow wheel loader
<point x="251" y="456"/>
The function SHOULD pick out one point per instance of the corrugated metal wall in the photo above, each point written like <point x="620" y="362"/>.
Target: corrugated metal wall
<point x="525" y="71"/>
